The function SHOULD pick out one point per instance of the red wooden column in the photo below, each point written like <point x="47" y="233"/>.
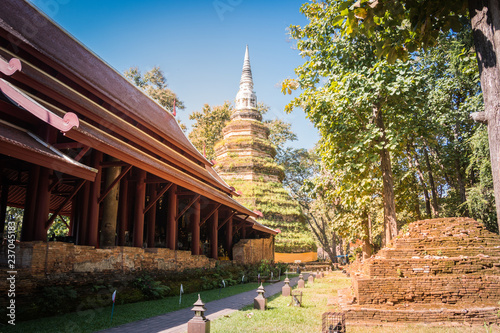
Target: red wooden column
<point x="28" y="231"/>
<point x="151" y="216"/>
<point x="83" y="209"/>
<point x="72" y="220"/>
<point x="123" y="212"/>
<point x="195" y="228"/>
<point x="171" y="215"/>
<point x="95" y="192"/>
<point x="42" y="205"/>
<point x="214" y="226"/>
<point x="229" y="237"/>
<point x="140" y="197"/>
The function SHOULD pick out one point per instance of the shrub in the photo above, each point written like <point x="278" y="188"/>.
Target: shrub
<point x="149" y="287"/>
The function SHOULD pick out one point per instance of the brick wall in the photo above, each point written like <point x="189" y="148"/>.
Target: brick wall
<point x="249" y="251"/>
<point x="40" y="258"/>
<point x="431" y="266"/>
<point x="450" y="289"/>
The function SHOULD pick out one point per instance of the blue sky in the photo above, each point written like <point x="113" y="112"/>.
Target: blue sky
<point x="199" y="44"/>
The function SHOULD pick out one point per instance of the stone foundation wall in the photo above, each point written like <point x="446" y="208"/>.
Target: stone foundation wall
<point x="41" y="258"/>
<point x="448" y="252"/>
<point x="382" y="268"/>
<point x="250" y="251"/>
<point x="478" y="316"/>
<point x="449" y="289"/>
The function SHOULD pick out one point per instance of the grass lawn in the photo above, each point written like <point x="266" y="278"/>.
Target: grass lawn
<point x="283" y="318"/>
<point x="99" y="319"/>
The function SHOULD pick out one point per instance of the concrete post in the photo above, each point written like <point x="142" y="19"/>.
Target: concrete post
<point x="199" y="324"/>
<point x="260" y="302"/>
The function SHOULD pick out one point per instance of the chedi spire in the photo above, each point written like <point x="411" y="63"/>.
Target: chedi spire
<point x="246" y="99"/>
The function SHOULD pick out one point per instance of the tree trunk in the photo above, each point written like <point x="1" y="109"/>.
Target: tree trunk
<point x="334" y="247"/>
<point x="485" y="20"/>
<point x="391" y="229"/>
<point x="366" y="247"/>
<point x="434" y="206"/>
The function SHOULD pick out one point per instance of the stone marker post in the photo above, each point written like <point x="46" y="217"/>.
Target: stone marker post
<point x="285" y="290"/>
<point x="301" y="283"/>
<point x="199" y="324"/>
<point x="310" y="279"/>
<point x="260" y="301"/>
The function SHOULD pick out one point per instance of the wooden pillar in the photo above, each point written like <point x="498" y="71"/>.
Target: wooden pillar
<point x="42" y="205"/>
<point x="214" y="225"/>
<point x="95" y="192"/>
<point x="195" y="228"/>
<point x="83" y="218"/>
<point x="229" y="237"/>
<point x="244" y="232"/>
<point x="123" y="212"/>
<point x="28" y="230"/>
<point x="72" y="218"/>
<point x="140" y="197"/>
<point x="171" y="221"/>
<point x="151" y="217"/>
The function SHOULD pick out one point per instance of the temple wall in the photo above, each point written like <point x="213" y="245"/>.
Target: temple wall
<point x="40" y="258"/>
<point x="250" y="251"/>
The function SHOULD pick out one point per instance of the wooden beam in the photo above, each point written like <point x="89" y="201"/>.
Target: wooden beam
<point x="211" y="213"/>
<point x="64" y="221"/>
<point x="197" y="197"/>
<point x="61" y="207"/>
<point x="185" y="193"/>
<point x="225" y="221"/>
<point x="122" y="174"/>
<point x="157" y="197"/>
<point x="82" y="153"/>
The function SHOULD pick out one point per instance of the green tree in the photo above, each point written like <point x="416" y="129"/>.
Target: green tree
<point x="481" y="200"/>
<point x="154" y="84"/>
<point x="401" y="27"/>
<point x="207" y="129"/>
<point x="361" y="104"/>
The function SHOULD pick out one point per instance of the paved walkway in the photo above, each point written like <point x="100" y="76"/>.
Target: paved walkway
<point x="176" y="322"/>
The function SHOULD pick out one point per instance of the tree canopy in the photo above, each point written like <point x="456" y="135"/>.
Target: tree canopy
<point x="395" y="123"/>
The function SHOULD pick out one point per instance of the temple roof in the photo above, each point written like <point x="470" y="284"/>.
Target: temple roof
<point x="116" y="117"/>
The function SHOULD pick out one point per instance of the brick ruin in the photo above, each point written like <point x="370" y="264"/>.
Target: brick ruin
<point x="439" y="270"/>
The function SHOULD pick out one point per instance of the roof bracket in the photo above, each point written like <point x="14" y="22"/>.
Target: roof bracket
<point x="9" y="68"/>
<point x="20" y="99"/>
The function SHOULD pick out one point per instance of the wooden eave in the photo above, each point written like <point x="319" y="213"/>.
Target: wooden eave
<point x="23" y="145"/>
<point x="35" y="78"/>
<point x="66" y="55"/>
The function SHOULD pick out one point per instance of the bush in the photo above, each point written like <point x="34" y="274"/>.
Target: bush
<point x="149" y="287"/>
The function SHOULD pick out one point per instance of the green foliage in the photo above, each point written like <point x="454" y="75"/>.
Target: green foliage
<point x="14" y="215"/>
<point x="365" y="101"/>
<point x="480" y="196"/>
<point x="58" y="229"/>
<point x="207" y="129"/>
<point x="55" y="299"/>
<point x="154" y="84"/>
<point x="149" y="287"/>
